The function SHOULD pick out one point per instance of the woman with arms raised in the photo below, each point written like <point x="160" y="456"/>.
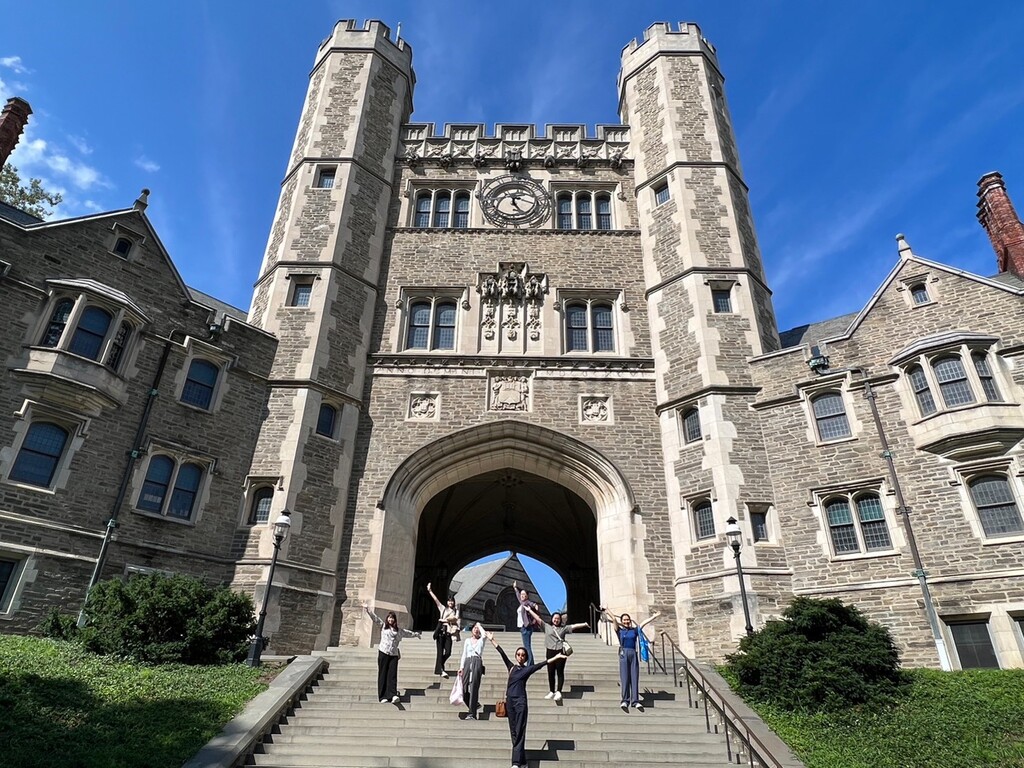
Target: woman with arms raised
<point x="387" y="654"/>
<point x="515" y="697"/>
<point x="447" y="630"/>
<point x="629" y="661"/>
<point x="554" y="643"/>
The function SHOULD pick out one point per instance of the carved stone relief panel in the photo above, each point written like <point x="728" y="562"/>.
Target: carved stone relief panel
<point x="596" y="409"/>
<point x="510" y="308"/>
<point x="424" y="406"/>
<point x="509" y="391"/>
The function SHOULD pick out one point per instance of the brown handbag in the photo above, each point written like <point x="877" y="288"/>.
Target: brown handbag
<point x="499" y="709"/>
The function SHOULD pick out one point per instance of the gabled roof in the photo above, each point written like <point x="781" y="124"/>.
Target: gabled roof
<point x="471" y="580"/>
<point x="218" y="306"/>
<point x="812" y="333"/>
<point x="17" y="216"/>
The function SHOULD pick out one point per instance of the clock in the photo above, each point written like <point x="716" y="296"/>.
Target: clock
<point x="514" y="201"/>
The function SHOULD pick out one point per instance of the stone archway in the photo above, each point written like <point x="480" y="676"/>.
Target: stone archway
<point x="481" y="453"/>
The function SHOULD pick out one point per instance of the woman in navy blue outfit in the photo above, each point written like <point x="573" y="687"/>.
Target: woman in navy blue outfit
<point x="629" y="661"/>
<point x="515" y="697"/>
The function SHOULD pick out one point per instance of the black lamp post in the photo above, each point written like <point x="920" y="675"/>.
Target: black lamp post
<point x="281" y="526"/>
<point x="734" y="535"/>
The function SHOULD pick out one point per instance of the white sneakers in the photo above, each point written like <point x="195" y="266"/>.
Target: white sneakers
<point x="624" y="706"/>
<point x="551" y="695"/>
<point x="558" y="695"/>
<point x="638" y="707"/>
<point x="444" y="675"/>
<point x="383" y="701"/>
<point x="395" y="699"/>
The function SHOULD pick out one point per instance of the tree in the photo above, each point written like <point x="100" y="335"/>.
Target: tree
<point x="32" y="199"/>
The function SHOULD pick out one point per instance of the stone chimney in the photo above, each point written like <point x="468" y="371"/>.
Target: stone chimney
<point x="1000" y="220"/>
<point x="12" y="123"/>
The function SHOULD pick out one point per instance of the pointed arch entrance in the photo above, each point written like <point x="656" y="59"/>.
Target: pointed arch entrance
<point x="506" y="485"/>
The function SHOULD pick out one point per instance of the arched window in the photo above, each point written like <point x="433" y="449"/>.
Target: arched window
<point x="564" y="203"/>
<point x="461" y="210"/>
<point x="691" y="426"/>
<point x="872" y="522"/>
<point x="576" y="328"/>
<point x="200" y="384"/>
<point x="584" y="219"/>
<point x="830" y="416"/>
<point x="988" y="382"/>
<point x="444" y="325"/>
<point x="90" y="333"/>
<point x="423" y="210"/>
<point x="419" y="325"/>
<point x="158" y="480"/>
<point x="841" y="527"/>
<point x="919" y="293"/>
<point x="186" y="488"/>
<point x="922" y="392"/>
<point x="39" y="454"/>
<point x="58" y="321"/>
<point x="952" y="378"/>
<point x="259" y="510"/>
<point x="996" y="505"/>
<point x="122" y="247"/>
<point x="604" y="212"/>
<point x="703" y="520"/>
<point x="867" y="531"/>
<point x="604" y="334"/>
<point x="325" y="421"/>
<point x="442" y="207"/>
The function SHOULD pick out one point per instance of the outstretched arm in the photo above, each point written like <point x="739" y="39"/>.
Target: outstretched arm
<point x="654" y="615"/>
<point x="605" y="613"/>
<point x="434" y="597"/>
<point x="515" y="588"/>
<point x="576" y="627"/>
<point x="376" y="619"/>
<point x="532" y="612"/>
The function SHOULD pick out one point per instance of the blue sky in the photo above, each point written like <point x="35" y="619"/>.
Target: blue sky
<point x="855" y="120"/>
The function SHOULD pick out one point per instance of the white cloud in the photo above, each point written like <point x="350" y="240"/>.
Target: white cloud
<point x="146" y="164"/>
<point x="36" y="157"/>
<point x="13" y="63"/>
<point x="80" y="144"/>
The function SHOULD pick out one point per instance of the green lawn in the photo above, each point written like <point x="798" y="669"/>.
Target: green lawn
<point x="972" y="719"/>
<point x="62" y="706"/>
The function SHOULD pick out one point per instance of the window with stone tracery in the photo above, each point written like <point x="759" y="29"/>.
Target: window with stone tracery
<point x="441" y="209"/>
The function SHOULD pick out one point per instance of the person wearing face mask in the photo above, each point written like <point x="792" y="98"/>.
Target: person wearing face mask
<point x="388" y="655"/>
<point x="447" y="630"/>
<point x="515" y="697"/>
<point x="471" y="670"/>
<point x="554" y="643"/>
<point x="629" y="657"/>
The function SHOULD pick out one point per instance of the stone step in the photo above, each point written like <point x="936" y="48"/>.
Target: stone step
<point x="564" y="760"/>
<point x="319" y="755"/>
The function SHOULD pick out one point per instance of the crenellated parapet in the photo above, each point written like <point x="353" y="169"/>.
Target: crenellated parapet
<point x="664" y="38"/>
<point x="514" y="145"/>
<point x="350" y="34"/>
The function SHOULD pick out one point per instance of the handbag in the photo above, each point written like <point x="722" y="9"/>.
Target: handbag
<point x="499" y="709"/>
<point x="437" y="632"/>
<point x="456" y="694"/>
<point x="566" y="648"/>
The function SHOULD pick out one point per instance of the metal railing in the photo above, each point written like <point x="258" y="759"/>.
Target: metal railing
<point x="741" y="744"/>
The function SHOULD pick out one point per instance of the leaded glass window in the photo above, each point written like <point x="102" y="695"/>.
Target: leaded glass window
<point x="997" y="508"/>
<point x="325" y="420"/>
<point x="444" y="326"/>
<point x="262" y="500"/>
<point x="919" y="293"/>
<point x="583" y="213"/>
<point x="604" y="212"/>
<point x="423" y="210"/>
<point x="703" y="520"/>
<point x="442" y="206"/>
<point x="872" y="523"/>
<point x="40" y="454"/>
<point x="461" y="211"/>
<point x="200" y="383"/>
<point x="988" y="382"/>
<point x="564" y="217"/>
<point x="91" y="331"/>
<point x="691" y="426"/>
<point x="186" y="488"/>
<point x="158" y="480"/>
<point x="922" y="391"/>
<point x="953" y="384"/>
<point x="841" y="527"/>
<point x="576" y="328"/>
<point x="830" y="416"/>
<point x="974" y="645"/>
<point x="58" y="321"/>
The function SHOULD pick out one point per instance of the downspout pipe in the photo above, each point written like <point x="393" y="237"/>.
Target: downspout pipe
<point x="133" y="456"/>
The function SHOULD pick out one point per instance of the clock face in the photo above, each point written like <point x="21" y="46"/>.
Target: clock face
<point x="514" y="201"/>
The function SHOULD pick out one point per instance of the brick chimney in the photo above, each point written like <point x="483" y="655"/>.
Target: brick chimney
<point x="1000" y="220"/>
<point x="12" y="123"/>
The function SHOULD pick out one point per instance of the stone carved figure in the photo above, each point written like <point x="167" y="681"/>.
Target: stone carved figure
<point x="595" y="409"/>
<point x="423" y="406"/>
<point x="535" y="288"/>
<point x="510" y="285"/>
<point x="510" y="393"/>
<point x="489" y="287"/>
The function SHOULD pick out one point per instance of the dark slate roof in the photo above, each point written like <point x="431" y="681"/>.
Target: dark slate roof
<point x="467" y="582"/>
<point x="1008" y="278"/>
<point x="812" y="333"/>
<point x="17" y="216"/>
<point x="217" y="305"/>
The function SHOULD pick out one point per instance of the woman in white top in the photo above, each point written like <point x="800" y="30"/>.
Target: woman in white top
<point x="387" y="654"/>
<point x="446" y="631"/>
<point x="471" y="669"/>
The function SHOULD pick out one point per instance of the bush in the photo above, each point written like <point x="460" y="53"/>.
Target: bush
<point x="821" y="656"/>
<point x="59" y="626"/>
<point x="164" y="619"/>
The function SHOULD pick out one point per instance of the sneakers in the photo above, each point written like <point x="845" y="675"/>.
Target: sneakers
<point x="558" y="695"/>
<point x="444" y="675"/>
<point x="383" y="701"/>
<point x="395" y="700"/>
<point x="638" y="707"/>
<point x="624" y="706"/>
<point x="551" y="695"/>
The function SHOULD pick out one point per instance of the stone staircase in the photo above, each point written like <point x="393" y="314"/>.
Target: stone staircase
<point x="342" y="723"/>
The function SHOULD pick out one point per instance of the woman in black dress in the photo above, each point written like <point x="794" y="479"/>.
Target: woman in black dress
<point x="515" y="697"/>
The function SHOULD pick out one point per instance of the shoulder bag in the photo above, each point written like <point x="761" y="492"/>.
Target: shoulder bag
<point x="499" y="709"/>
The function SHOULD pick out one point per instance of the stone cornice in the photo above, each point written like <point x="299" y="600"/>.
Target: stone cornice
<point x="692" y="397"/>
<point x="475" y="365"/>
<point x="518" y="231"/>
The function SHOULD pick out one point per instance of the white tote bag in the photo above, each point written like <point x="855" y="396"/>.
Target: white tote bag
<point x="456" y="696"/>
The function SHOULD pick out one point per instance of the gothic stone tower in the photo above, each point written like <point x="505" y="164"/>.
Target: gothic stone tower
<point x="709" y="309"/>
<point x="316" y="292"/>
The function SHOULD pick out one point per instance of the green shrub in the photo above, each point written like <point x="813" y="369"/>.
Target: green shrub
<point x="59" y="626"/>
<point x="164" y="619"/>
<point x="821" y="656"/>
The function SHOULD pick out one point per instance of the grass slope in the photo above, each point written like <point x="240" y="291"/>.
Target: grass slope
<point x="971" y="719"/>
<point x="62" y="706"/>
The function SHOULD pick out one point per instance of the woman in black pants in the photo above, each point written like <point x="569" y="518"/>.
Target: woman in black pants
<point x="387" y="654"/>
<point x="515" y="697"/>
<point x="447" y="630"/>
<point x="554" y="642"/>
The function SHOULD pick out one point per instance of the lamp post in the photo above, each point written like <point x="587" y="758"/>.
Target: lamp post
<point x="281" y="526"/>
<point x="733" y="535"/>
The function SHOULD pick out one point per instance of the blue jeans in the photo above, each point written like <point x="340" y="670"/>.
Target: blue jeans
<point x="527" y="634"/>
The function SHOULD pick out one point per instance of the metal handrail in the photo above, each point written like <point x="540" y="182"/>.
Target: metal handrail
<point x="759" y="756"/>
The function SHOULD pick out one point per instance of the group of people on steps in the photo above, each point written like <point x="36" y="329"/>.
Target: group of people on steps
<point x="520" y="669"/>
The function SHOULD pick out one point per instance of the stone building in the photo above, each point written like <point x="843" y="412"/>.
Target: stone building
<point x="533" y="338"/>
